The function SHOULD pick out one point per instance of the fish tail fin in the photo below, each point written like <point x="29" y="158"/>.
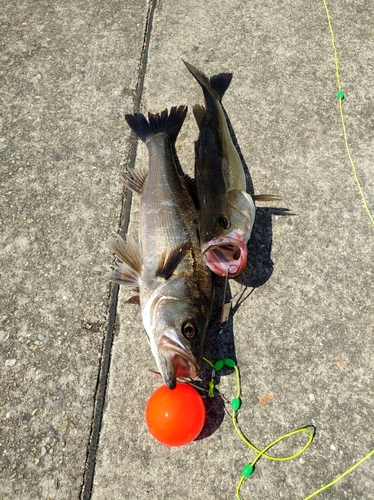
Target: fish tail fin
<point x="170" y="123"/>
<point x="220" y="83"/>
<point x="216" y="86"/>
<point x="138" y="124"/>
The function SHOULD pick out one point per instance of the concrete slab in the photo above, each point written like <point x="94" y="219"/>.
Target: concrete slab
<point x="303" y="338"/>
<point x="69" y="71"/>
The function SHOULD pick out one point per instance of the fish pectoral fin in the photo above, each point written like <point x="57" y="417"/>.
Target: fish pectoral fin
<point x="135" y="179"/>
<point x="168" y="262"/>
<point x="135" y="299"/>
<point x="129" y="268"/>
<point x="199" y="113"/>
<point x="265" y="197"/>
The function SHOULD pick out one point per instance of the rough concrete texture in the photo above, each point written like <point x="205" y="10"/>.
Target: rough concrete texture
<point x="303" y="337"/>
<point x="69" y="72"/>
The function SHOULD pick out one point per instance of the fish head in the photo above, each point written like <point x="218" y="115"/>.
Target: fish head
<point x="225" y="228"/>
<point x="175" y="319"/>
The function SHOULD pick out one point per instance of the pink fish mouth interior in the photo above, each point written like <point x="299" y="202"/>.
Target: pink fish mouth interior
<point x="183" y="367"/>
<point x="225" y="256"/>
<point x="179" y="362"/>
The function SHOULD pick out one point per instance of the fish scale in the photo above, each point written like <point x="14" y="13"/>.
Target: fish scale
<point x="166" y="203"/>
<point x="175" y="286"/>
<point x="227" y="211"/>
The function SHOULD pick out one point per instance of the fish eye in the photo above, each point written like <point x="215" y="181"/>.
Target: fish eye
<point x="189" y="330"/>
<point x="224" y="222"/>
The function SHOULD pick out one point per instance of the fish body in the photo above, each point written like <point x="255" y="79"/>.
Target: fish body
<point x="227" y="211"/>
<point x="175" y="285"/>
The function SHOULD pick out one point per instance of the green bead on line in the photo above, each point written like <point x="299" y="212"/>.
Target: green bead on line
<point x="340" y="95"/>
<point x="219" y="365"/>
<point x="235" y="404"/>
<point x="247" y="470"/>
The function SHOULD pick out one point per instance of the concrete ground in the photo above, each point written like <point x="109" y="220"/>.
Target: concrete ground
<point x="74" y="357"/>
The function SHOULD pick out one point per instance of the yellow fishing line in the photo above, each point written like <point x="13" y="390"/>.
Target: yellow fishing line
<point x="249" y="468"/>
<point x="341" y="476"/>
<point x="235" y="404"/>
<point x="340" y="97"/>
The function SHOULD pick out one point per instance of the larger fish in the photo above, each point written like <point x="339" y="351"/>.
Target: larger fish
<point x="227" y="211"/>
<point x="175" y="286"/>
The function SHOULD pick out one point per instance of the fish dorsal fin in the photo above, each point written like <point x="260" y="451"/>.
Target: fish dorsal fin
<point x="129" y="268"/>
<point x="265" y="197"/>
<point x="170" y="123"/>
<point x="192" y="189"/>
<point x="168" y="262"/>
<point x="220" y="83"/>
<point x="199" y="113"/>
<point x="135" y="179"/>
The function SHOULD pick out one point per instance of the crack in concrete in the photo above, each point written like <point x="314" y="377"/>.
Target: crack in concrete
<point x="99" y="398"/>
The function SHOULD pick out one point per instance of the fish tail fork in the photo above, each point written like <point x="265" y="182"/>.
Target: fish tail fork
<point x="216" y="86"/>
<point x="169" y="123"/>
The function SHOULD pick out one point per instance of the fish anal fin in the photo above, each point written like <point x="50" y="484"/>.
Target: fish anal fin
<point x="199" y="113"/>
<point x="265" y="197"/>
<point x="168" y="262"/>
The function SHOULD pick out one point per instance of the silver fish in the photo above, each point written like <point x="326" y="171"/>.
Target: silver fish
<point x="227" y="211"/>
<point x="175" y="286"/>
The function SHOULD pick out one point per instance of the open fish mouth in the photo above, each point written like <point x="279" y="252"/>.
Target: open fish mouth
<point x="225" y="256"/>
<point x="178" y="362"/>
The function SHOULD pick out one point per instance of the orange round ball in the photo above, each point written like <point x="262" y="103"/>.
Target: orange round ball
<point x="175" y="417"/>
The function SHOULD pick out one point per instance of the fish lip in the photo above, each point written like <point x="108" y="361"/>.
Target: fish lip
<point x="178" y="361"/>
<point x="229" y="268"/>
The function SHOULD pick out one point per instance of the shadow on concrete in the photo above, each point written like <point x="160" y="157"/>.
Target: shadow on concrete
<point x="219" y="344"/>
<point x="219" y="340"/>
<point x="215" y="412"/>
<point x="259" y="263"/>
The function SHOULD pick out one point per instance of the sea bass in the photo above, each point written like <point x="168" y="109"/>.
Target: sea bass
<point x="175" y="285"/>
<point x="227" y="211"/>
